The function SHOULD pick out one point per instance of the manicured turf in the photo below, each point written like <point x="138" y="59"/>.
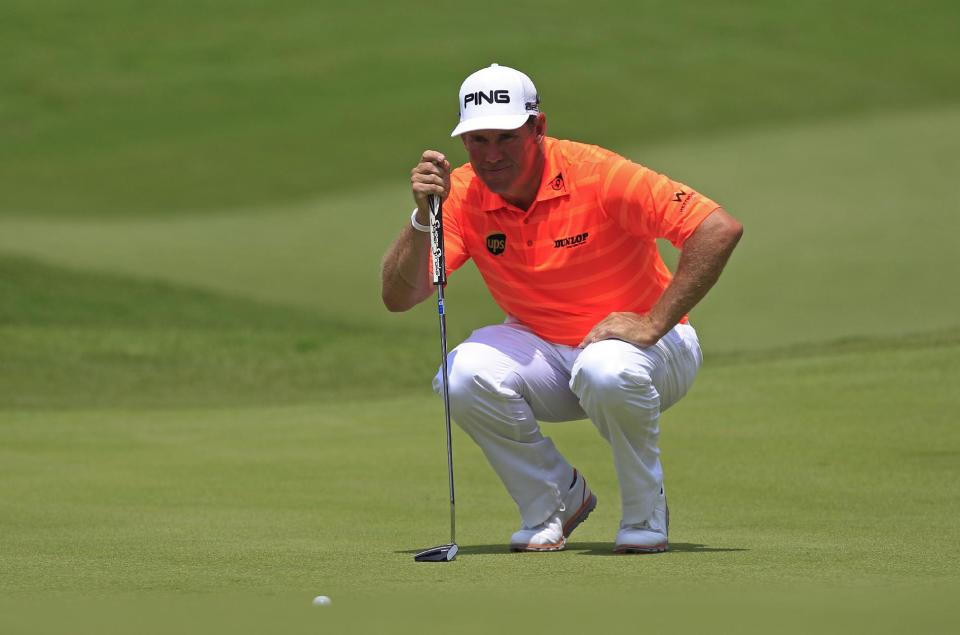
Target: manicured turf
<point x="207" y="418"/>
<point x="785" y="469"/>
<point x="788" y="471"/>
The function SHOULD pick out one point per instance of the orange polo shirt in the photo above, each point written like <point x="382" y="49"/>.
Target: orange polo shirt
<point x="585" y="248"/>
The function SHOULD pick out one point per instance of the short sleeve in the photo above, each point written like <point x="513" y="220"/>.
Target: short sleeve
<point x="649" y="204"/>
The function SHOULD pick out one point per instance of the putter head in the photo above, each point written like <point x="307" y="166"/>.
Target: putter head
<point x="443" y="553"/>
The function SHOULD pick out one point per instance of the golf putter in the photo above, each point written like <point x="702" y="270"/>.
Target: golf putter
<point x="442" y="553"/>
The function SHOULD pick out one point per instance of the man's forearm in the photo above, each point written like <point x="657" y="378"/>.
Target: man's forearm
<point x="701" y="261"/>
<point x="405" y="273"/>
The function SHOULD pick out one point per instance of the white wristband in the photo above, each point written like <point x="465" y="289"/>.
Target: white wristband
<point x="417" y="226"/>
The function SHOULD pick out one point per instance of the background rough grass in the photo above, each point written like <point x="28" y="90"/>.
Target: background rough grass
<point x="124" y="108"/>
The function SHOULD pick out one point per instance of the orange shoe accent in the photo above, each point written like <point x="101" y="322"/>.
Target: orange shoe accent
<point x="587" y="505"/>
<point x="556" y="546"/>
<point x="581" y="515"/>
<point x="572" y="523"/>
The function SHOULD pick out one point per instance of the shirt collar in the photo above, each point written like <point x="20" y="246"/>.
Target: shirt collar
<point x="553" y="183"/>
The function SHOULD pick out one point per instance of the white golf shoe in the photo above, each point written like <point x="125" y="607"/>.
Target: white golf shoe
<point x="552" y="534"/>
<point x="649" y="536"/>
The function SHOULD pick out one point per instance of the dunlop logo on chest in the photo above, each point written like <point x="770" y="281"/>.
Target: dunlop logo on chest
<point x="496" y="243"/>
<point x="571" y="241"/>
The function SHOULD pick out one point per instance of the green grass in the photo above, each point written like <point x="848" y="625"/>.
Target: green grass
<point x="207" y="417"/>
<point x="782" y="471"/>
<point x="833" y="469"/>
<point x="796" y="488"/>
<point x="848" y="233"/>
<point x="120" y="108"/>
<point x="76" y="340"/>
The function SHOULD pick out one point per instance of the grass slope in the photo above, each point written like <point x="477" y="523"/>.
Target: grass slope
<point x="849" y="231"/>
<point x="81" y="340"/>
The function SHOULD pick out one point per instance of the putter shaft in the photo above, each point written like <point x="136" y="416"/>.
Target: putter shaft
<point x="439" y="280"/>
<point x="446" y="412"/>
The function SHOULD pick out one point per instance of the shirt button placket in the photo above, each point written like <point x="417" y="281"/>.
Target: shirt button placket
<point x="526" y="221"/>
<point x="528" y="256"/>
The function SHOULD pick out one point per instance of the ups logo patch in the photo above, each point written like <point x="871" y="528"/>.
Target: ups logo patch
<point x="496" y="243"/>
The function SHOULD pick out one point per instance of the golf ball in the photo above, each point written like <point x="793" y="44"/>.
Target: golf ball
<point x="321" y="600"/>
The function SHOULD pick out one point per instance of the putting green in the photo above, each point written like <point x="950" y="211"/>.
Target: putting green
<point x="781" y="471"/>
<point x="789" y="476"/>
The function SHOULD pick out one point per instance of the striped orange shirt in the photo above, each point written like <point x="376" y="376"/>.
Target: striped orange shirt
<point x="585" y="248"/>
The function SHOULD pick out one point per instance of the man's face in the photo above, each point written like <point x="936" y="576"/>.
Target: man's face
<point x="506" y="160"/>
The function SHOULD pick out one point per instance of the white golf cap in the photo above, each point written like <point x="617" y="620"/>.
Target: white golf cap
<point x="496" y="98"/>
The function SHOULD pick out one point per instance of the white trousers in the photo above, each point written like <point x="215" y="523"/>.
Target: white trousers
<point x="504" y="379"/>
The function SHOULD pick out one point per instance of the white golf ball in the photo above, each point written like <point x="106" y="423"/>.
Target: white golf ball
<point x="321" y="600"/>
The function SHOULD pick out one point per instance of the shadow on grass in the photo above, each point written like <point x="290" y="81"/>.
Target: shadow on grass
<point x="606" y="548"/>
<point x="584" y="549"/>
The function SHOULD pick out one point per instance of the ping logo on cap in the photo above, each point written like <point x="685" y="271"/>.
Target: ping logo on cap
<point x="495" y="98"/>
<point x="490" y="96"/>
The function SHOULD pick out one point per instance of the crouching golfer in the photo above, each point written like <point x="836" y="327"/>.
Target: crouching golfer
<point x="564" y="235"/>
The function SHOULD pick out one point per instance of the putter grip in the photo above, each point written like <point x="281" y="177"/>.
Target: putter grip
<point x="436" y="240"/>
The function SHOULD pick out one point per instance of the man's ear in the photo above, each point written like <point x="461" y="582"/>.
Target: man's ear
<point x="541" y="126"/>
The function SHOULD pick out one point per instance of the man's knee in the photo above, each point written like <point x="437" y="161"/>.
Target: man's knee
<point x="470" y="381"/>
<point x="484" y="403"/>
<point x="604" y="372"/>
